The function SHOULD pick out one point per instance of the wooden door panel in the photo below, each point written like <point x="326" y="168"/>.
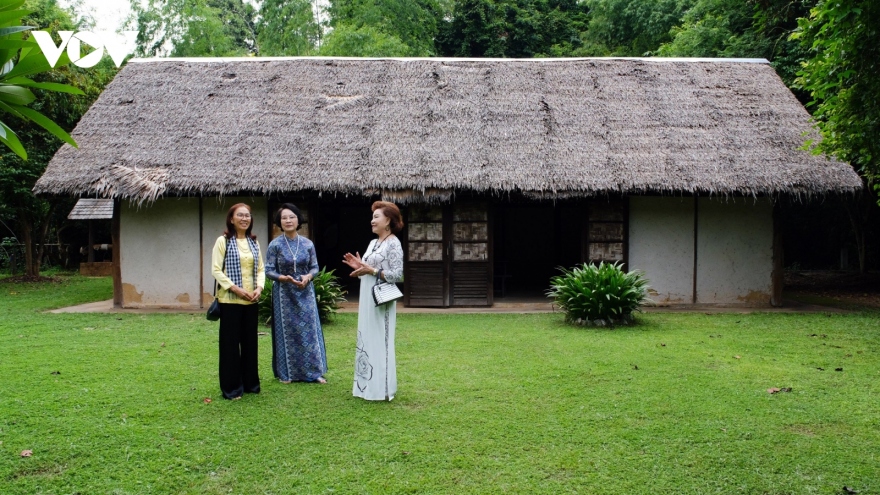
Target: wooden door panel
<point x="426" y="280"/>
<point x="448" y="255"/>
<point x="424" y="284"/>
<point x="470" y="284"/>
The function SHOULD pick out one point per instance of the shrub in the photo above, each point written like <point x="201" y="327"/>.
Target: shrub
<point x="266" y="303"/>
<point x="599" y="295"/>
<point x="328" y="294"/>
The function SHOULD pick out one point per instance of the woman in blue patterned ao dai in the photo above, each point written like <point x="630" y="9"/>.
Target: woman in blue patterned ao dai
<point x="298" y="352"/>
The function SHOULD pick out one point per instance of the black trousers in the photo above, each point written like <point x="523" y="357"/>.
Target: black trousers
<point x="238" y="349"/>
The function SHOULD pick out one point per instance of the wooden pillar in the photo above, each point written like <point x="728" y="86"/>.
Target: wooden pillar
<point x="90" y="247"/>
<point x="777" y="275"/>
<point x="117" y="256"/>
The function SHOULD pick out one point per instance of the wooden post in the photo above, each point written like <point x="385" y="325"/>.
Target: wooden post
<point x="90" y="247"/>
<point x="117" y="256"/>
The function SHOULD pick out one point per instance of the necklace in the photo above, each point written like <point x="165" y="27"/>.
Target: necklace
<point x="379" y="242"/>
<point x="287" y="241"/>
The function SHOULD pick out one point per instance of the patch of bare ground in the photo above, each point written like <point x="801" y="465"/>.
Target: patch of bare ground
<point x="834" y="287"/>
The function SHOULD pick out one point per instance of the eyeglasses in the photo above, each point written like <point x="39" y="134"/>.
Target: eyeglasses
<point x="242" y="215"/>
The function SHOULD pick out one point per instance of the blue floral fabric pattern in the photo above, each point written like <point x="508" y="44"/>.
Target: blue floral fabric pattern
<point x="297" y="338"/>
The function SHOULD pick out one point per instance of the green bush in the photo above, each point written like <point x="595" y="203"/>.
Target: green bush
<point x="266" y="303"/>
<point x="599" y="295"/>
<point x="328" y="294"/>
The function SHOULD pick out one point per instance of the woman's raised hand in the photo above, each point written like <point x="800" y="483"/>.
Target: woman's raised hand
<point x="354" y="261"/>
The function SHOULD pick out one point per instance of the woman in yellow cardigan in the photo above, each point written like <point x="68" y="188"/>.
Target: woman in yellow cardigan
<point x="238" y="268"/>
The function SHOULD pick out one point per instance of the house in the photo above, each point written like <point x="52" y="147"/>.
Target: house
<point x="505" y="169"/>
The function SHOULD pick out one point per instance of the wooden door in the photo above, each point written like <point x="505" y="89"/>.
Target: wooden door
<point x="426" y="283"/>
<point x="448" y="256"/>
<point x="471" y="262"/>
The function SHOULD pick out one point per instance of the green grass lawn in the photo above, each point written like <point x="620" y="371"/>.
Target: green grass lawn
<point x="114" y="403"/>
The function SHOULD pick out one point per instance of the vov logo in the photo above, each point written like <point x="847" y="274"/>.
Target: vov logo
<point x="118" y="46"/>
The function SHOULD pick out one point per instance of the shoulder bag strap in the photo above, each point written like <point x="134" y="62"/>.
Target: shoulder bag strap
<point x="226" y="253"/>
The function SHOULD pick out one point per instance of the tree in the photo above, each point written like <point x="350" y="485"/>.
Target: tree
<point x="15" y="95"/>
<point x="34" y="217"/>
<point x="288" y="27"/>
<point x="513" y="28"/>
<point x="194" y="28"/>
<point x="733" y="28"/>
<point x="382" y="28"/>
<point x="842" y="77"/>
<point x="366" y="41"/>
<point x="631" y="29"/>
<point x="716" y="28"/>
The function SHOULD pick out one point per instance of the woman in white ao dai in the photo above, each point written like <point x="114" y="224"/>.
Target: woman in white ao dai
<point x="375" y="374"/>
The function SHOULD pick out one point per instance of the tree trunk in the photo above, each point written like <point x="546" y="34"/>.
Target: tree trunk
<point x="27" y="240"/>
<point x="860" y="212"/>
<point x="45" y="222"/>
<point x="34" y="247"/>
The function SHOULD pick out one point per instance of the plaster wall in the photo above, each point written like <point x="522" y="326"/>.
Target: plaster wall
<point x="734" y="251"/>
<point x="160" y="254"/>
<point x="163" y="263"/>
<point x="214" y="223"/>
<point x="661" y="244"/>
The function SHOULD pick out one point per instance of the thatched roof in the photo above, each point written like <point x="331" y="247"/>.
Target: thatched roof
<point x="91" y="209"/>
<point x="543" y="128"/>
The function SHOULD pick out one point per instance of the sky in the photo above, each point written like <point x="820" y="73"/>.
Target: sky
<point x="108" y="14"/>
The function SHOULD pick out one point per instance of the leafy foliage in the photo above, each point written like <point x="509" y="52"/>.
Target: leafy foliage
<point x="842" y="77"/>
<point x="604" y="292"/>
<point x="513" y="28"/>
<point x="365" y="41"/>
<point x="37" y="219"/>
<point x="19" y="60"/>
<point x="732" y="28"/>
<point x="265" y="314"/>
<point x="328" y="294"/>
<point x="382" y="28"/>
<point x="194" y="28"/>
<point x="288" y="27"/>
<point x="633" y="29"/>
<point x="716" y="28"/>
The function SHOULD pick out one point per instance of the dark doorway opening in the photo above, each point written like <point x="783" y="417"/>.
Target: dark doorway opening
<point x="531" y="241"/>
<point x="342" y="227"/>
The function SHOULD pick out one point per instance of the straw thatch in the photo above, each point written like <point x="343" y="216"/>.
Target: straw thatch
<point x="412" y="129"/>
<point x="92" y="209"/>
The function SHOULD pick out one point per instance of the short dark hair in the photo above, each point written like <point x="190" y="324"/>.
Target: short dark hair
<point x="292" y="207"/>
<point x="391" y="211"/>
<point x="230" y="227"/>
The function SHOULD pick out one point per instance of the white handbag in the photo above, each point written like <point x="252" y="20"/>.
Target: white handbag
<point x="385" y="292"/>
